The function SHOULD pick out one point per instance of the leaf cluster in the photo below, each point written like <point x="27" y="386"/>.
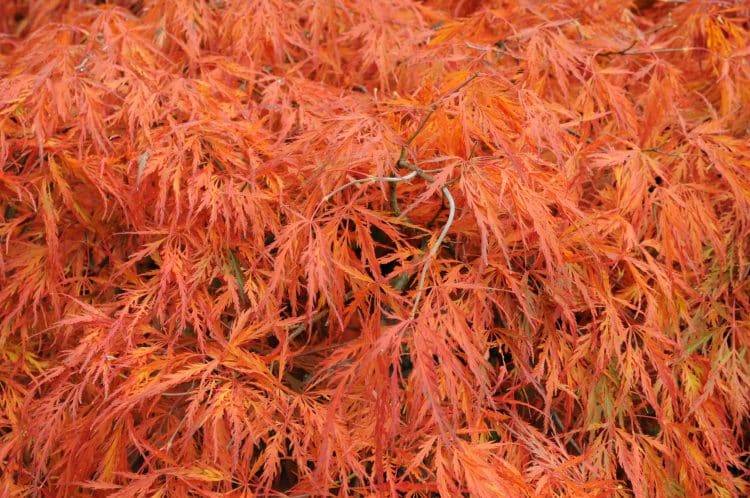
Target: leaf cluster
<point x="374" y="248"/>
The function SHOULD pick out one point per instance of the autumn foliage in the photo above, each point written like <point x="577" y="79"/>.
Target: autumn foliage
<point x="375" y="248"/>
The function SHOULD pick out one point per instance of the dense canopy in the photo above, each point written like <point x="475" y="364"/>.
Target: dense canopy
<point x="374" y="248"/>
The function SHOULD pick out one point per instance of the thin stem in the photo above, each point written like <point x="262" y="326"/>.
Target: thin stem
<point x="421" y="125"/>
<point x="434" y="249"/>
<point x="184" y="393"/>
<point x="661" y="50"/>
<point x="168" y="445"/>
<point x="371" y="179"/>
<point x="433" y="106"/>
<point x="618" y="52"/>
<point x="459" y="87"/>
<point x="627" y="51"/>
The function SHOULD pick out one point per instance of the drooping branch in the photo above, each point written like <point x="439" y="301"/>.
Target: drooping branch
<point x="404" y="163"/>
<point x="370" y="179"/>
<point x="416" y="171"/>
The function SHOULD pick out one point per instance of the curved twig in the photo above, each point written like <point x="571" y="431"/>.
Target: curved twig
<point x="416" y="171"/>
<point x="371" y="179"/>
<point x="434" y="249"/>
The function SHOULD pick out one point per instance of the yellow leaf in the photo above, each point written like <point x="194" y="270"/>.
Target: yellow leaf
<point x="207" y="474"/>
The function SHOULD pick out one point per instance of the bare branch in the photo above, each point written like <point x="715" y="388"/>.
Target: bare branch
<point x="371" y="179"/>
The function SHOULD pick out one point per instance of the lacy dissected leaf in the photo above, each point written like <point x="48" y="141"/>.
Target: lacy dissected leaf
<point x="374" y="248"/>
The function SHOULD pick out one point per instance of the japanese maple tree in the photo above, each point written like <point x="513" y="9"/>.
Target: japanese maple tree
<point x="375" y="248"/>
